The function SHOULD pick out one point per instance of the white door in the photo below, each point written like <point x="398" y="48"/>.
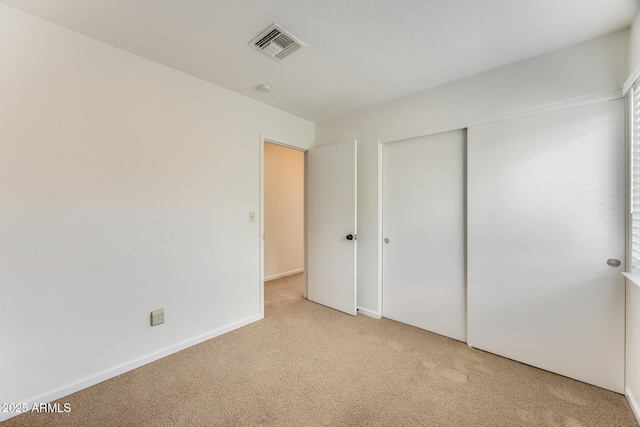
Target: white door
<point x="546" y="222"/>
<point x="331" y="226"/>
<point x="423" y="231"/>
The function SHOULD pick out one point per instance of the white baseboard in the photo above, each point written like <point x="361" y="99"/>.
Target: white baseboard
<point x="369" y="313"/>
<point x="633" y="403"/>
<point x="288" y="273"/>
<point x="99" y="377"/>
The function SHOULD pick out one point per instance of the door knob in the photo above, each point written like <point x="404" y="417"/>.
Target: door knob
<point x="611" y="262"/>
<point x="386" y="240"/>
<point x="351" y="237"/>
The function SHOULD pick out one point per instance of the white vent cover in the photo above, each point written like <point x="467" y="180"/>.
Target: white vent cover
<point x="276" y="43"/>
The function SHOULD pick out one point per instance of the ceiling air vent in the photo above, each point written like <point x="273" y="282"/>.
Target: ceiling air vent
<point x="276" y="43"/>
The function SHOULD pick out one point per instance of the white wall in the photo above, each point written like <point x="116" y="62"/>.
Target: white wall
<point x="592" y="68"/>
<point x="125" y="186"/>
<point x="634" y="46"/>
<point x="283" y="211"/>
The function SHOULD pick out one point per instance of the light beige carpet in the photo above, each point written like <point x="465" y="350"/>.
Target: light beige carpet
<point x="306" y="365"/>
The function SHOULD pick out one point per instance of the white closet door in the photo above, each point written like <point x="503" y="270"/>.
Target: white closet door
<point x="423" y="220"/>
<point x="546" y="211"/>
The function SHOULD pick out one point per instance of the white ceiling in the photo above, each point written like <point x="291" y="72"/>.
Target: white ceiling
<point x="360" y="52"/>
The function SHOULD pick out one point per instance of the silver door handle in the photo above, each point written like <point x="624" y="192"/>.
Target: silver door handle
<point x="612" y="262"/>
<point x="386" y="240"/>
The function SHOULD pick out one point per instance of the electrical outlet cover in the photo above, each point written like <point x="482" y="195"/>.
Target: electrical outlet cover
<point x="157" y="317"/>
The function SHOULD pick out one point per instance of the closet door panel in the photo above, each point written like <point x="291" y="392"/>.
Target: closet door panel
<point x="546" y="211"/>
<point x="423" y="222"/>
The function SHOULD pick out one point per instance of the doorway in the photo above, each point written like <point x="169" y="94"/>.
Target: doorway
<point x="329" y="229"/>
<point x="284" y="211"/>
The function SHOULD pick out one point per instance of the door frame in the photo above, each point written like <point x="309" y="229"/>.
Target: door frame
<point x="262" y="140"/>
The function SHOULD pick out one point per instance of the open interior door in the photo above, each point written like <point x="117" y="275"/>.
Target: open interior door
<point x="331" y="226"/>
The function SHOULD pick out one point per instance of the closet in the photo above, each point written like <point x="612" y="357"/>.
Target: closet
<point x="511" y="237"/>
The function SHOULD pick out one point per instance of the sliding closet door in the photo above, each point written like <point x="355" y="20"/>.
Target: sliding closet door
<point x="423" y="231"/>
<point x="546" y="241"/>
